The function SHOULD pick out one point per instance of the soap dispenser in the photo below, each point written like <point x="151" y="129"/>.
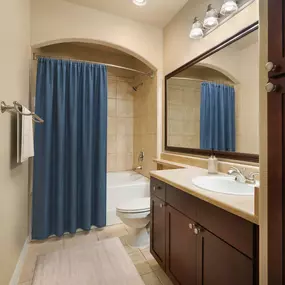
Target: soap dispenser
<point x="212" y="164"/>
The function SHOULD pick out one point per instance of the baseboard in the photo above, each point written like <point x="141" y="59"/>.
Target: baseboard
<point x="16" y="275"/>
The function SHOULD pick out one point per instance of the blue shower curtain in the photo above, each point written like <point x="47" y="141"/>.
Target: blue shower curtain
<point x="217" y="117"/>
<point x="69" y="189"/>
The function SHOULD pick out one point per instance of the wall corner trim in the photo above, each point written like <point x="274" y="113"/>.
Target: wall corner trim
<point x="16" y="275"/>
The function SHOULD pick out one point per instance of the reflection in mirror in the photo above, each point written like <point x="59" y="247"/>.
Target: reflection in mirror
<point x="214" y="104"/>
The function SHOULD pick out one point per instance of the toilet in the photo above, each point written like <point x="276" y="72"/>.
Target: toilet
<point x="136" y="215"/>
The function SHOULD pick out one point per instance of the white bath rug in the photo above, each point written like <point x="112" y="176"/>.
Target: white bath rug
<point x="102" y="263"/>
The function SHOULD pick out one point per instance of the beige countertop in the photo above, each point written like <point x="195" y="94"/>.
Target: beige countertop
<point x="242" y="206"/>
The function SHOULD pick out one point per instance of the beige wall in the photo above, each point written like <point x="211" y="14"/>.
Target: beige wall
<point x="55" y="20"/>
<point x="145" y="124"/>
<point x="58" y="21"/>
<point x="14" y="85"/>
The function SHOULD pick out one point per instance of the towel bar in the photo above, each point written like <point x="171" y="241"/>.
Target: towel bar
<point x="16" y="109"/>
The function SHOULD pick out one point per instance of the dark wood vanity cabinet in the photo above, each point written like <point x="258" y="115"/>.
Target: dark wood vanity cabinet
<point x="181" y="248"/>
<point x="220" y="263"/>
<point x="158" y="234"/>
<point x="193" y="249"/>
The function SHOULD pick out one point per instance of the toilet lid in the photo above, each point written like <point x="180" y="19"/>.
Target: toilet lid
<point x="135" y="205"/>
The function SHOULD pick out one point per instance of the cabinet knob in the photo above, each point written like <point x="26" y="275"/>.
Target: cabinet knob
<point x="153" y="188"/>
<point x="197" y="231"/>
<point x="270" y="87"/>
<point x="190" y="226"/>
<point x="161" y="205"/>
<point x="270" y="66"/>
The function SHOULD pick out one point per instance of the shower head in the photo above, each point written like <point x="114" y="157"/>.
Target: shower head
<point x="135" y="88"/>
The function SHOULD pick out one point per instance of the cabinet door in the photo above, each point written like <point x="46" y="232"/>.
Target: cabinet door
<point x="219" y="263"/>
<point x="181" y="245"/>
<point x="157" y="230"/>
<point x="276" y="33"/>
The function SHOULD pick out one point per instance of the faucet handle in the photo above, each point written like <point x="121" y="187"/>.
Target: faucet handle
<point x="242" y="170"/>
<point x="252" y="175"/>
<point x="235" y="169"/>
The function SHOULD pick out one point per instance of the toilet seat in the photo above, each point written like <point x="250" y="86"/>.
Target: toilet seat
<point x="140" y="205"/>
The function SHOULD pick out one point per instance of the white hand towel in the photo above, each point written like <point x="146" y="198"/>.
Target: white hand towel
<point x="27" y="145"/>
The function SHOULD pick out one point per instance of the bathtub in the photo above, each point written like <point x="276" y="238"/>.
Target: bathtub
<point x="121" y="187"/>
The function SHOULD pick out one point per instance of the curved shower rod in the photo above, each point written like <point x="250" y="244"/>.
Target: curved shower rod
<point x="150" y="74"/>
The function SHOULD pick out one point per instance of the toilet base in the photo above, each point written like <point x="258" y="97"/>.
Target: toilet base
<point x="138" y="238"/>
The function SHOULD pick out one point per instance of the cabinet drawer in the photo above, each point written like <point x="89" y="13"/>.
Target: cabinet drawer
<point x="183" y="202"/>
<point x="157" y="188"/>
<point x="234" y="230"/>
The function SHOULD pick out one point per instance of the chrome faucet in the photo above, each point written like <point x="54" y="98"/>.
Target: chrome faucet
<point x="241" y="177"/>
<point x="140" y="161"/>
<point x="137" y="168"/>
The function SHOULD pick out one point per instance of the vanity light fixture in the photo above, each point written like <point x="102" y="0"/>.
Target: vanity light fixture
<point x="197" y="30"/>
<point x="211" y="18"/>
<point x="229" y="7"/>
<point x="140" y="2"/>
<point x="215" y="18"/>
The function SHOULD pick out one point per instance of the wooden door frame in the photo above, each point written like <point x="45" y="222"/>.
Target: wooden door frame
<point x="276" y="145"/>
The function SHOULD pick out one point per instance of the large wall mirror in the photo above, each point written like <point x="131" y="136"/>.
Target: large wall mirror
<point x="212" y="103"/>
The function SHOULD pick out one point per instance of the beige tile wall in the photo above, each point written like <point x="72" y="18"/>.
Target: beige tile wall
<point x="120" y="123"/>
<point x="145" y="123"/>
<point x="121" y="103"/>
<point x="183" y="113"/>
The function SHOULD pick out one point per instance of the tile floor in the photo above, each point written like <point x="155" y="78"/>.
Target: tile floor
<point x="146" y="265"/>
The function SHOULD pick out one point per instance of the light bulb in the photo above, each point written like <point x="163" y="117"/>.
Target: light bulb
<point x="140" y="2"/>
<point x="197" y="30"/>
<point x="211" y="18"/>
<point x="229" y="7"/>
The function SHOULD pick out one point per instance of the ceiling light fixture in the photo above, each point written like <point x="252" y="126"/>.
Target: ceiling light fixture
<point x="197" y="30"/>
<point x="140" y="2"/>
<point x="229" y="7"/>
<point x="211" y="18"/>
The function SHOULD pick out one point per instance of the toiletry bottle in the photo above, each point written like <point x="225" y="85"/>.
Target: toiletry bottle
<point x="212" y="164"/>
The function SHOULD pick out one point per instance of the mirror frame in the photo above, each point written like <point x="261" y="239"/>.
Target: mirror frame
<point x="221" y="154"/>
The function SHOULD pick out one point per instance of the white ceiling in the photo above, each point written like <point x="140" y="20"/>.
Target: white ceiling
<point x="156" y="12"/>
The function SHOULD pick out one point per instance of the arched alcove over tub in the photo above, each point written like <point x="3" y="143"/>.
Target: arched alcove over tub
<point x="132" y="106"/>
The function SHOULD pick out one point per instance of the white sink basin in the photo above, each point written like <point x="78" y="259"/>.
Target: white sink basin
<point x="223" y="184"/>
